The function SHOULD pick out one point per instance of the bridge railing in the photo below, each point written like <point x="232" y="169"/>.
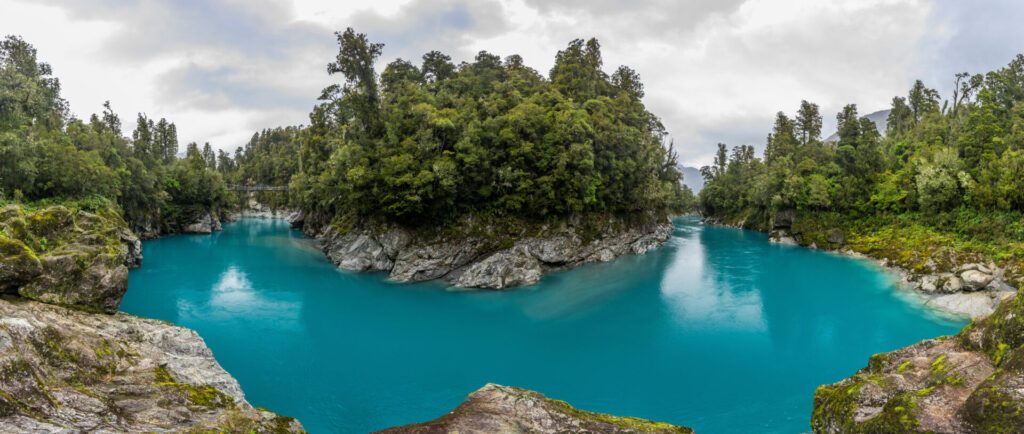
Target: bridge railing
<point x="251" y="188"/>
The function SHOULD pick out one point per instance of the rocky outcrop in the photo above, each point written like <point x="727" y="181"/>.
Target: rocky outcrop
<point x="205" y="223"/>
<point x="77" y="259"/>
<point x="502" y="409"/>
<point x="479" y="256"/>
<point x="969" y="383"/>
<point x="63" y="370"/>
<point x="252" y="208"/>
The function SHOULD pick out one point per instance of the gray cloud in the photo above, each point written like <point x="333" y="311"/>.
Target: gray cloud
<point x="422" y="25"/>
<point x="226" y="87"/>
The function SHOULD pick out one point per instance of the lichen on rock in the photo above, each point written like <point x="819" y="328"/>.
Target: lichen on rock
<point x="63" y="370"/>
<point x="503" y="409"/>
<point x="971" y="382"/>
<point x="72" y="258"/>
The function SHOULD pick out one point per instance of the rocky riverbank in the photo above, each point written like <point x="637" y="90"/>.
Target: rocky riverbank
<point x="961" y="284"/>
<point x="969" y="383"/>
<point x="70" y="362"/>
<point x="477" y="254"/>
<point x="502" y="409"/>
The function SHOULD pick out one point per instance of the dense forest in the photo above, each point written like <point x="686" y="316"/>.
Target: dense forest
<point x="432" y="142"/>
<point x="416" y="144"/>
<point x="943" y="173"/>
<point x="47" y="155"/>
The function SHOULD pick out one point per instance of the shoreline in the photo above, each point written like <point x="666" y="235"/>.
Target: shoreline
<point x="958" y="304"/>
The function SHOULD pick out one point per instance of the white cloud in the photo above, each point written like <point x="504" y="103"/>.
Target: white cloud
<point x="714" y="70"/>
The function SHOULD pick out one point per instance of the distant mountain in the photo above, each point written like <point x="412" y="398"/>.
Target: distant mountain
<point x="692" y="178"/>
<point x="880" y="118"/>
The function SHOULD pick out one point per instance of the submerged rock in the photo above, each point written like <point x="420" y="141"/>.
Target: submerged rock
<point x="63" y="370"/>
<point x="480" y="255"/>
<point x="971" y="382"/>
<point x="503" y="409"/>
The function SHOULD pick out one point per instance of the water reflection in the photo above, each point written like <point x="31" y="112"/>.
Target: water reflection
<point x="233" y="297"/>
<point x="702" y="294"/>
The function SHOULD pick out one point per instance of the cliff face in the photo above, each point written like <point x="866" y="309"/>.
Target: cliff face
<point x="482" y="255"/>
<point x="76" y="259"/>
<point x="971" y="382"/>
<point x="502" y="409"/>
<point x="69" y="362"/>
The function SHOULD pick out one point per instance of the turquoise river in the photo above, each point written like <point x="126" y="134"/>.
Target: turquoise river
<point x="719" y="330"/>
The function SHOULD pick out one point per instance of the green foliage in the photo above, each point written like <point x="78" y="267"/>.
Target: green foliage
<point x="429" y="143"/>
<point x="944" y="178"/>
<point x="45" y="155"/>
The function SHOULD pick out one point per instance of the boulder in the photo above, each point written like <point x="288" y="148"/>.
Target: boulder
<point x="500" y="270"/>
<point x="953" y="284"/>
<point x="18" y="264"/>
<point x="975" y="279"/>
<point x="75" y="259"/>
<point x="206" y="223"/>
<point x="929" y="283"/>
<point x="82" y="277"/>
<point x="510" y="410"/>
<point x="63" y="370"/>
<point x="972" y="304"/>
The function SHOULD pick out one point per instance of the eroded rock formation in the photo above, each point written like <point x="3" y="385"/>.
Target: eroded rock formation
<point x="479" y="256"/>
<point x="503" y="409"/>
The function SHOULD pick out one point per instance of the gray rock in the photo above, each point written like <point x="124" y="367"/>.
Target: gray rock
<point x="929" y="283"/>
<point x="510" y="410"/>
<point x="63" y="370"/>
<point x="953" y="284"/>
<point x="975" y="279"/>
<point x="972" y="304"/>
<point x="467" y="260"/>
<point x="500" y="270"/>
<point x="558" y="249"/>
<point x="204" y="224"/>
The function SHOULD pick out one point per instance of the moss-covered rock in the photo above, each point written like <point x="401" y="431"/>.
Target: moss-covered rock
<point x="61" y="256"/>
<point x="971" y="382"/>
<point x="63" y="370"/>
<point x="18" y="264"/>
<point x="494" y="409"/>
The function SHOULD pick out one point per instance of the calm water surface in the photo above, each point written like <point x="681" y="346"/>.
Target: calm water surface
<point x="719" y="330"/>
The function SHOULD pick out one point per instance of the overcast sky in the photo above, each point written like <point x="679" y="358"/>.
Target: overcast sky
<point x="714" y="71"/>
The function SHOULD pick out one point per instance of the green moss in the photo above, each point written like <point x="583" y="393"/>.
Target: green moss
<point x="202" y="396"/>
<point x="897" y="416"/>
<point x="991" y="410"/>
<point x="903" y="367"/>
<point x="834" y="406"/>
<point x="624" y="422"/>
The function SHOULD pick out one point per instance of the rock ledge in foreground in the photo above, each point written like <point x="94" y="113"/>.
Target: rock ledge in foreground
<point x="969" y="383"/>
<point x="63" y="370"/>
<point x="503" y="409"/>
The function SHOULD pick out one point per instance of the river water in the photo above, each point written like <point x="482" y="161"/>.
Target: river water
<point x="719" y="330"/>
